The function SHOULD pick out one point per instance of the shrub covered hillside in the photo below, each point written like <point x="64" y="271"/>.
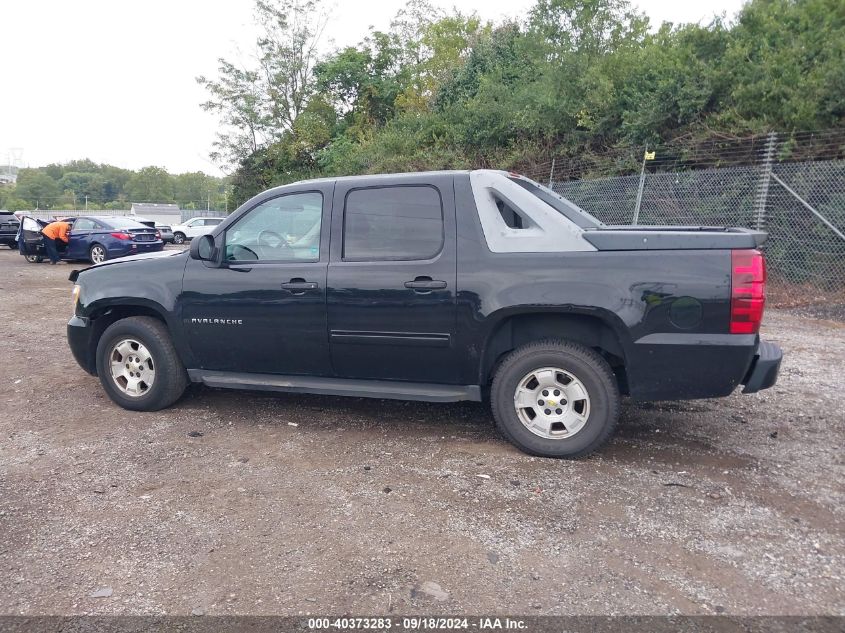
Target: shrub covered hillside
<point x="574" y="78"/>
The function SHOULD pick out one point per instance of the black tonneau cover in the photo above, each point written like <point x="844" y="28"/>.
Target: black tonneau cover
<point x="665" y="238"/>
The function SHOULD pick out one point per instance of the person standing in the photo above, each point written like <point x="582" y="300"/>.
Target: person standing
<point x="54" y="232"/>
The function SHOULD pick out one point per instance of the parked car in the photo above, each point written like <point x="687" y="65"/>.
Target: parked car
<point x="164" y="230"/>
<point x="94" y="238"/>
<point x="144" y="221"/>
<point x="166" y="233"/>
<point x="194" y="228"/>
<point x="9" y="226"/>
<point x="436" y="286"/>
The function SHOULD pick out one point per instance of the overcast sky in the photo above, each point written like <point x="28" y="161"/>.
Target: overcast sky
<point x="113" y="81"/>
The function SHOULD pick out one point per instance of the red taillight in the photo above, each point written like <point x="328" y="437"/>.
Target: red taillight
<point x="122" y="236"/>
<point x="748" y="291"/>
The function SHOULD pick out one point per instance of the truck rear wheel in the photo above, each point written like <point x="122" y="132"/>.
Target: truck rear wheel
<point x="138" y="365"/>
<point x="555" y="398"/>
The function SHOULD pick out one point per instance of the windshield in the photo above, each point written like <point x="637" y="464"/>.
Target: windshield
<point x="560" y="204"/>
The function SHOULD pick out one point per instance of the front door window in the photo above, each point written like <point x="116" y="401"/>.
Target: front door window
<point x="283" y="229"/>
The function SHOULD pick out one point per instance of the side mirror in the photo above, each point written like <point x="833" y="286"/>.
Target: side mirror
<point x="203" y="248"/>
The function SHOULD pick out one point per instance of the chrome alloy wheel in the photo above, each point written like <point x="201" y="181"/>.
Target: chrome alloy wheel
<point x="98" y="254"/>
<point x="132" y="368"/>
<point x="552" y="403"/>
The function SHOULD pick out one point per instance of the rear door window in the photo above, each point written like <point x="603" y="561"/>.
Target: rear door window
<point x="392" y="223"/>
<point x="84" y="224"/>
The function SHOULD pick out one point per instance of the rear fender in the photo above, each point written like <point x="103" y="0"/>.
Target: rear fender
<point x="512" y="327"/>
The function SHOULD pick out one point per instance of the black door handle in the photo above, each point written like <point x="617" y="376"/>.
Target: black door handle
<point x="425" y="283"/>
<point x="298" y="286"/>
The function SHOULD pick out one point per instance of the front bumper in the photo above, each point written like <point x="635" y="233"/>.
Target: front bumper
<point x="764" y="369"/>
<point x="80" y="331"/>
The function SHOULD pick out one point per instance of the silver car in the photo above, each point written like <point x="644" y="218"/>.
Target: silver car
<point x="166" y="233"/>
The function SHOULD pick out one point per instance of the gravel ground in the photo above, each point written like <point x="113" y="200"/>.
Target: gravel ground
<point x="242" y="503"/>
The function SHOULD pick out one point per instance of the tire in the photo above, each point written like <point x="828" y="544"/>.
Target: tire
<point x="34" y="259"/>
<point x="178" y="238"/>
<point x="168" y="379"/>
<point x="569" y="370"/>
<point x="97" y="254"/>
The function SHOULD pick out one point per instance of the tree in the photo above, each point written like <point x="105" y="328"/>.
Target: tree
<point x="115" y="181"/>
<point x="363" y="82"/>
<point x="237" y="98"/>
<point x="37" y="188"/>
<point x="445" y="44"/>
<point x="10" y="202"/>
<point x="193" y="188"/>
<point x="82" y="185"/>
<point x="785" y="62"/>
<point x="258" y="104"/>
<point x="150" y="184"/>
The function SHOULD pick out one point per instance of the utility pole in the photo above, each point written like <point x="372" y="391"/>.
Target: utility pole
<point x="86" y="204"/>
<point x="208" y="201"/>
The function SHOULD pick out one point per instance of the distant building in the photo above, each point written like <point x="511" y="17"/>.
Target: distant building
<point x="161" y="213"/>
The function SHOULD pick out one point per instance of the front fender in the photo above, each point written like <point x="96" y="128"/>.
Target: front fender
<point x="149" y="286"/>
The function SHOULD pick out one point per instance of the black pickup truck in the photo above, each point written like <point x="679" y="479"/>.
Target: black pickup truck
<point x="440" y="286"/>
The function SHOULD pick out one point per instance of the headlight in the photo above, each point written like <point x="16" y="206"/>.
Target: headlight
<point x="74" y="295"/>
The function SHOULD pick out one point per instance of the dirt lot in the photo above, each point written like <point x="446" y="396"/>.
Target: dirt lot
<point x="262" y="504"/>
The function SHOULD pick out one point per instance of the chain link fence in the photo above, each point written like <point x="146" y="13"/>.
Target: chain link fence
<point x="753" y="183"/>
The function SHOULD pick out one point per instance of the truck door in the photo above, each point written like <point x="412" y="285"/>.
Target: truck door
<point x="264" y="311"/>
<point x="391" y="280"/>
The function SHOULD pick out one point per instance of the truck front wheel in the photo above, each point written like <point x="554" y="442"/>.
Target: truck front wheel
<point x="555" y="398"/>
<point x="138" y="365"/>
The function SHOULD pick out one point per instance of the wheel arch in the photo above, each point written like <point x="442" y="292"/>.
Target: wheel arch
<point x="514" y="328"/>
<point x="104" y="315"/>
